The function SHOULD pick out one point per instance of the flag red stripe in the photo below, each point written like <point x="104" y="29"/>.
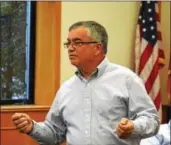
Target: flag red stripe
<point x="145" y="56"/>
<point x="161" y="53"/>
<point x="153" y="75"/>
<point x="159" y="35"/>
<point x="157" y="100"/>
<point x="157" y="17"/>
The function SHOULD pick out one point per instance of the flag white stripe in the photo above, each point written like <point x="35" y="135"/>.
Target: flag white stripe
<point x="158" y="26"/>
<point x="160" y="44"/>
<point x="155" y="88"/>
<point x="156" y="8"/>
<point x="144" y="44"/>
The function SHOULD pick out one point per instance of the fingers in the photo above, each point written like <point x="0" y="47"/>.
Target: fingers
<point x="119" y="131"/>
<point x="19" y="120"/>
<point x="123" y="121"/>
<point x="16" y="116"/>
<point x="22" y="122"/>
<point x="126" y="124"/>
<point x="124" y="128"/>
<point x="122" y="133"/>
<point x="23" y="128"/>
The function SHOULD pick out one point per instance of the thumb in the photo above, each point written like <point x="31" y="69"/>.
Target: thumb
<point x="123" y="121"/>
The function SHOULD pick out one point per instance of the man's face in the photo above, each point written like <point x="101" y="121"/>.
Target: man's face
<point x="80" y="54"/>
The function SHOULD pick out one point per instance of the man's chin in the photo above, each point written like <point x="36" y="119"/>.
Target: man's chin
<point x="74" y="63"/>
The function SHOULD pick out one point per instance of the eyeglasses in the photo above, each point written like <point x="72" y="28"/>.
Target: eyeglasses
<point x="76" y="44"/>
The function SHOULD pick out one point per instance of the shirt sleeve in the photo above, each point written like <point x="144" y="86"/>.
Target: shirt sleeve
<point x="52" y="130"/>
<point x="141" y="109"/>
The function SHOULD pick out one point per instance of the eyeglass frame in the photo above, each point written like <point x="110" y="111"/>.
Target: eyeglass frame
<point x="76" y="44"/>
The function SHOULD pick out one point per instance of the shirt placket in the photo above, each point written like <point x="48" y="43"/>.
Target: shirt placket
<point x="87" y="114"/>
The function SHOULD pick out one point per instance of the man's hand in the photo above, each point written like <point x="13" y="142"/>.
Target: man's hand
<point x="22" y="122"/>
<point x="124" y="128"/>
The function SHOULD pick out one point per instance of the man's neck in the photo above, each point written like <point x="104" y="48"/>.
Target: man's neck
<point x="87" y="72"/>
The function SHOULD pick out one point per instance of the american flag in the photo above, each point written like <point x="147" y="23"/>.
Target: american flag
<point x="149" y="54"/>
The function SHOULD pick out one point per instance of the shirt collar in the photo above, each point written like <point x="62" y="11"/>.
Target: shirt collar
<point x="100" y="69"/>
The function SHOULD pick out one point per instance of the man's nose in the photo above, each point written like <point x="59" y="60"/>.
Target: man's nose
<point x="70" y="47"/>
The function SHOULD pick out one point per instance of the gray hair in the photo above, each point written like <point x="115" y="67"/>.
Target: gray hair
<point x="95" y="30"/>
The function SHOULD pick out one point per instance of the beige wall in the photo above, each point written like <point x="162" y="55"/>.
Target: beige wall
<point x="119" y="18"/>
<point x="165" y="27"/>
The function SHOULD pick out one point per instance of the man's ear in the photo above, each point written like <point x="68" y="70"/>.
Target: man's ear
<point x="99" y="49"/>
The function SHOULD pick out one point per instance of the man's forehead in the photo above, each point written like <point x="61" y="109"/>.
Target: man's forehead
<point x="79" y="30"/>
<point x="78" y="33"/>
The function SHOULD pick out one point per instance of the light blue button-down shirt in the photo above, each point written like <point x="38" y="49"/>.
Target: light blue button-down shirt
<point x="86" y="112"/>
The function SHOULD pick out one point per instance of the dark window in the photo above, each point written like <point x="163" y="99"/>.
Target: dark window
<point x="17" y="46"/>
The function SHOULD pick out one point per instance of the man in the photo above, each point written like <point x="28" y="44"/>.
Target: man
<point x="102" y="104"/>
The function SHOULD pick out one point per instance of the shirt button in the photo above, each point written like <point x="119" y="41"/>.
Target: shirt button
<point x="87" y="100"/>
<point x="87" y="116"/>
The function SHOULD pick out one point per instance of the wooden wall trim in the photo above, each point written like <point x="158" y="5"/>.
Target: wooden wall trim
<point x="48" y="36"/>
<point x="24" y="108"/>
<point x="8" y="128"/>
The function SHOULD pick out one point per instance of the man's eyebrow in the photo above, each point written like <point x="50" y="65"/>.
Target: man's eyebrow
<point x="75" y="39"/>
